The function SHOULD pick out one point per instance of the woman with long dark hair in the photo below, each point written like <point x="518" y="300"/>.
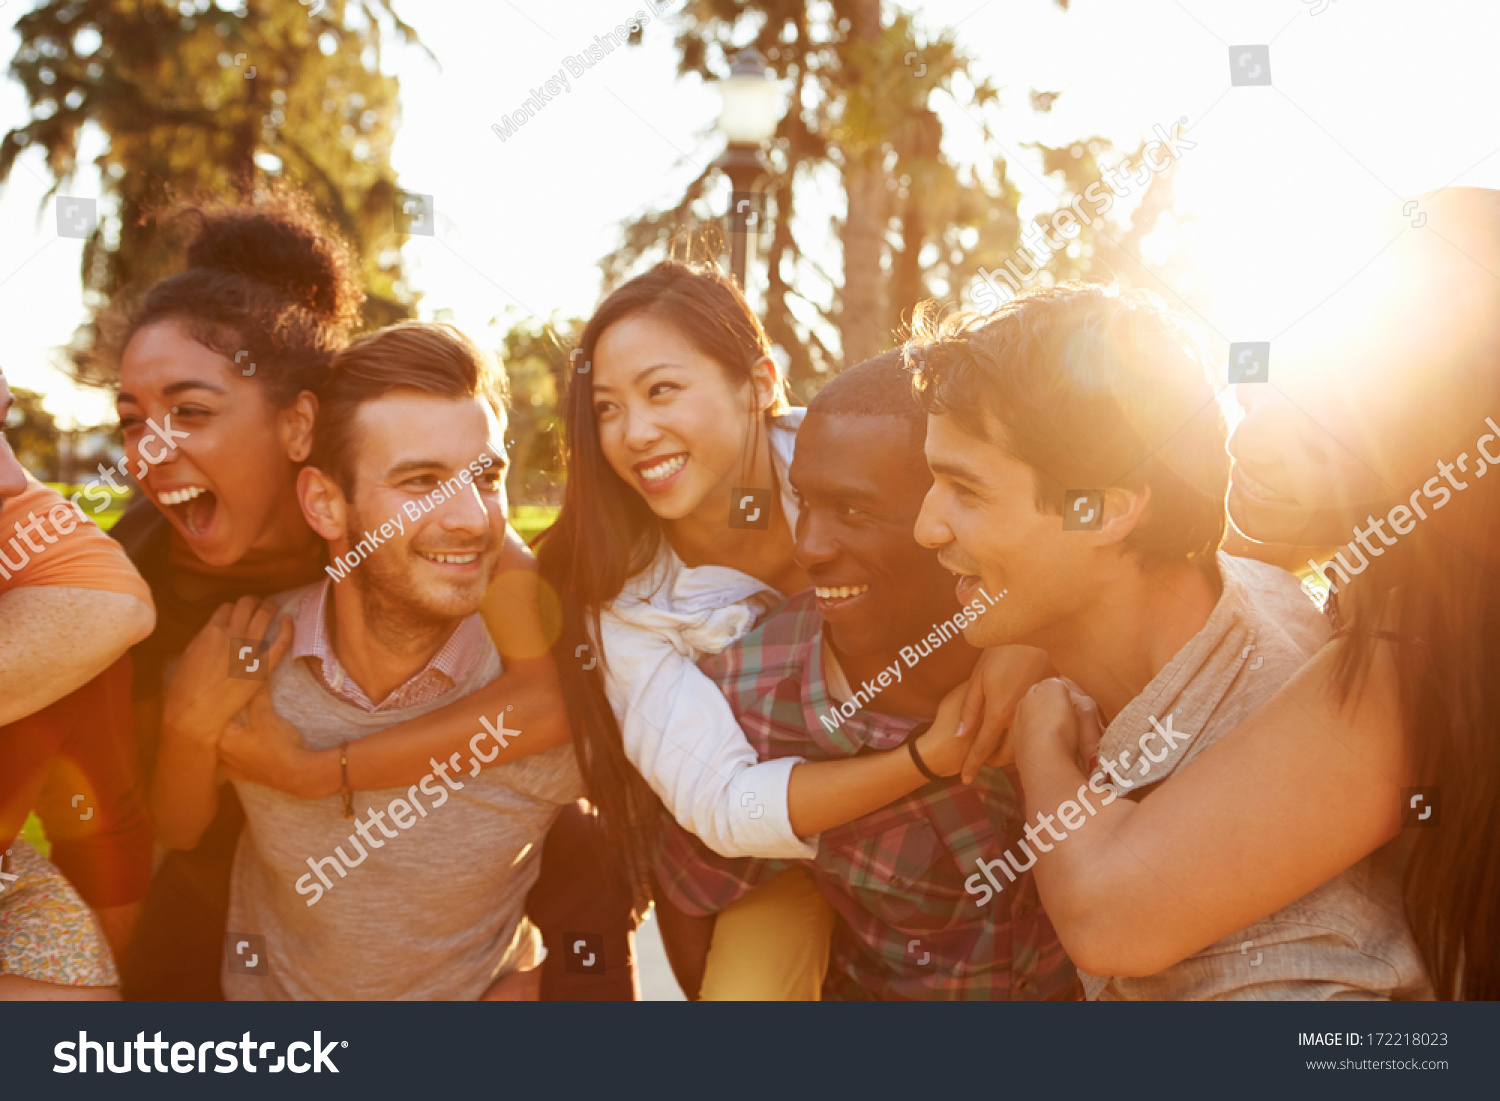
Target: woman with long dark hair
<point x="1379" y="433"/>
<point x="676" y="533"/>
<point x="224" y="358"/>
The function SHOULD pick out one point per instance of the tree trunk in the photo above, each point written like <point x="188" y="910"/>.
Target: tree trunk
<point x="907" y="288"/>
<point x="864" y="305"/>
<point x="245" y="132"/>
<point x="921" y="157"/>
<point x="778" y="318"/>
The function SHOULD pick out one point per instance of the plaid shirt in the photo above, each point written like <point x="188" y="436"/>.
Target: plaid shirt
<point x="448" y="667"/>
<point x="910" y="929"/>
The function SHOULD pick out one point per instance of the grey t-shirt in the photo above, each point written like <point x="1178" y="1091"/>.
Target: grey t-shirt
<point x="1348" y="939"/>
<point x="435" y="912"/>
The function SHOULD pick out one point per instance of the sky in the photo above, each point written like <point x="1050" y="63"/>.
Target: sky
<point x="1370" y="102"/>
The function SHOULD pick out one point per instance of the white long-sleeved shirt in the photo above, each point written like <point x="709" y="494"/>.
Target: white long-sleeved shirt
<point x="678" y="729"/>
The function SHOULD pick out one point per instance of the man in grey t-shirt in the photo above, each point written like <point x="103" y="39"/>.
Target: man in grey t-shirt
<point x="416" y="892"/>
<point x="1079" y="464"/>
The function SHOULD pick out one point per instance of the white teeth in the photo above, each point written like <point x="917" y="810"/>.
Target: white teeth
<point x="178" y="496"/>
<point x="452" y="559"/>
<point x="664" y="469"/>
<point x="841" y="592"/>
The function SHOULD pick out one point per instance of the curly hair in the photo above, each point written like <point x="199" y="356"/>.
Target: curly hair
<point x="263" y="277"/>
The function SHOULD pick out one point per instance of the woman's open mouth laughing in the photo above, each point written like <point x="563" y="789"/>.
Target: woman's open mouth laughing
<point x="194" y="506"/>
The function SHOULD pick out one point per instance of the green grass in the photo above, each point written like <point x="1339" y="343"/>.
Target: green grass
<point x="104" y="519"/>
<point x="531" y="520"/>
<point x="33" y="833"/>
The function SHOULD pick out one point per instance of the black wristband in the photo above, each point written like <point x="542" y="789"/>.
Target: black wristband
<point x="916" y="758"/>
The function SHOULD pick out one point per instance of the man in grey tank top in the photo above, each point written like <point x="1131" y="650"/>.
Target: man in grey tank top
<point x="1080" y="465"/>
<point x="417" y="892"/>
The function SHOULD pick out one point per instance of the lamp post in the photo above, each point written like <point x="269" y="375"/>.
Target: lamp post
<point x="752" y="108"/>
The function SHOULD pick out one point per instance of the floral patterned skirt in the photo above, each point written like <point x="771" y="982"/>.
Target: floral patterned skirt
<point x="47" y="932"/>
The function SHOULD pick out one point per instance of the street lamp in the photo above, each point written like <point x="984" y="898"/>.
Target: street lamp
<point x="752" y="108"/>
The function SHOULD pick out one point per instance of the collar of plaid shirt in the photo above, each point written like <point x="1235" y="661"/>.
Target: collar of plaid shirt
<point x="896" y="876"/>
<point x="453" y="661"/>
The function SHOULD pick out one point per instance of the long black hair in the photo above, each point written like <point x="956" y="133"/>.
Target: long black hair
<point x="1440" y="586"/>
<point x="606" y="534"/>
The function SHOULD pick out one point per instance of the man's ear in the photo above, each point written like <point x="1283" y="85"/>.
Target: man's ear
<point x="295" y="424"/>
<point x="322" y="501"/>
<point x="763" y="378"/>
<point x="1124" y="510"/>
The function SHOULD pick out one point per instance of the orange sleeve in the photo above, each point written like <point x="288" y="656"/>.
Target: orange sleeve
<point x="74" y="762"/>
<point x="44" y="540"/>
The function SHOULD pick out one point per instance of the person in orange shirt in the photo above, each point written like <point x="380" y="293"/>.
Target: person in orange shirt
<point x="71" y="605"/>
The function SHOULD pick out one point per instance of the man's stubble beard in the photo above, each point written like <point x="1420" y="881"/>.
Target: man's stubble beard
<point x="395" y="611"/>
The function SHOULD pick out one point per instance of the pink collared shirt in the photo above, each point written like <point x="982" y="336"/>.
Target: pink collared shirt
<point x="453" y="662"/>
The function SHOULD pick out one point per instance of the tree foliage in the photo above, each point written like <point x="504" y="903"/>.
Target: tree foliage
<point x="536" y="360"/>
<point x="864" y="83"/>
<point x="32" y="433"/>
<point x="212" y="99"/>
<point x="860" y="82"/>
<point x="1112" y="249"/>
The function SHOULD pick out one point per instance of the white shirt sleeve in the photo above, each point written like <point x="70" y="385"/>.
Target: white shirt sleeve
<point x="681" y="734"/>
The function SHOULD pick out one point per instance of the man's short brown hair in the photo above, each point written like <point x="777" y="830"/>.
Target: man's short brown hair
<point x="1092" y="388"/>
<point x="409" y="355"/>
